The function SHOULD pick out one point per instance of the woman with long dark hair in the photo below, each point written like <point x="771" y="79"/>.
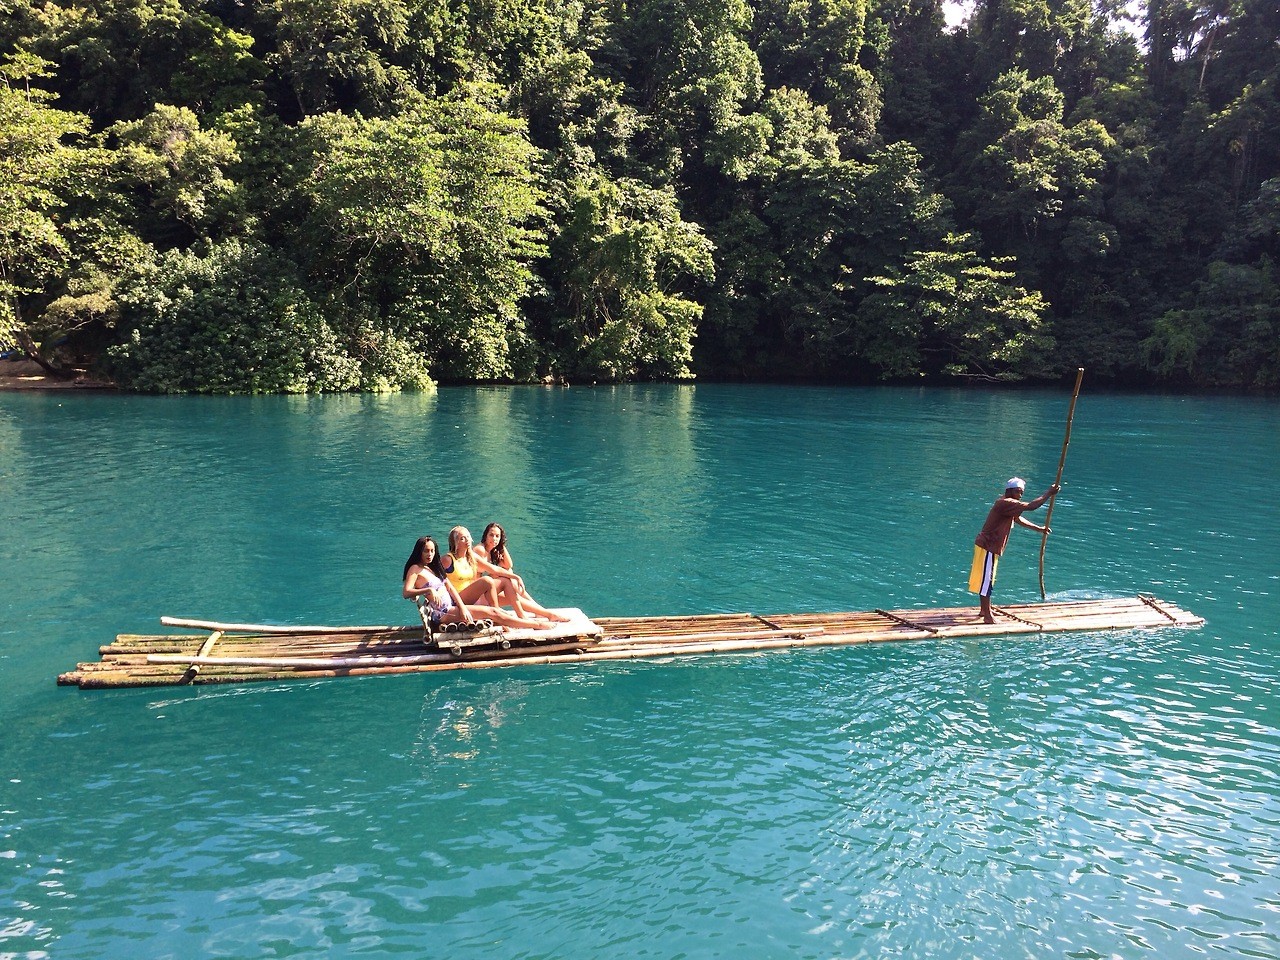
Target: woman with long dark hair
<point x="493" y="548"/>
<point x="425" y="583"/>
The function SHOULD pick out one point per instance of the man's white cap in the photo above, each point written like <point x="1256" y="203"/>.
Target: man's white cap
<point x="1015" y="483"/>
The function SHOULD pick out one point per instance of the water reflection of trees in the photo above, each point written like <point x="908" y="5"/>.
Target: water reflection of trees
<point x="571" y="473"/>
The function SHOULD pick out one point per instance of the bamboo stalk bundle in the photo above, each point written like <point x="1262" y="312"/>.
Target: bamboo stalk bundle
<point x="239" y="653"/>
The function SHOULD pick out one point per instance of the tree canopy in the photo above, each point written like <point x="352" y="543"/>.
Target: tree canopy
<point x="315" y="195"/>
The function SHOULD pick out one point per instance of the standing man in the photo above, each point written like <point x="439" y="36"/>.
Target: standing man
<point x="991" y="541"/>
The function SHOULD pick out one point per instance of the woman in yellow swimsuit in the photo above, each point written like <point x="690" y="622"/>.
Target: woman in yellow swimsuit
<point x="473" y="577"/>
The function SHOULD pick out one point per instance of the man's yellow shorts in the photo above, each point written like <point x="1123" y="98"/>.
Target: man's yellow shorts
<point x="982" y="575"/>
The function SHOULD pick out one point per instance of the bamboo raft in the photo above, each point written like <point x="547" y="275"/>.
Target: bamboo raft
<point x="240" y="653"/>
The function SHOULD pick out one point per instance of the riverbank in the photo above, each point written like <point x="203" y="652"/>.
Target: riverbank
<point x="26" y="375"/>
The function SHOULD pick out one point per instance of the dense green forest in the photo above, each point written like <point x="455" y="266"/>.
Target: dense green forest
<point x="309" y="195"/>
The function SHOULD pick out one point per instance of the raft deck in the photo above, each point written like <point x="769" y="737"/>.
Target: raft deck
<point x="240" y="653"/>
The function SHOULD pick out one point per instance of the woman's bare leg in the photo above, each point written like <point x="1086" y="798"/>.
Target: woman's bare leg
<point x="480" y="611"/>
<point x="480" y="590"/>
<point x="509" y="596"/>
<point x="504" y="619"/>
<point x="530" y="604"/>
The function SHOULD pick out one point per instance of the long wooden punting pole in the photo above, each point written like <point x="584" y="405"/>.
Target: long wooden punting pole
<point x="1062" y="460"/>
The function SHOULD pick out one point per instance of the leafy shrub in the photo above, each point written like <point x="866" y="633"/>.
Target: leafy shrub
<point x="235" y="320"/>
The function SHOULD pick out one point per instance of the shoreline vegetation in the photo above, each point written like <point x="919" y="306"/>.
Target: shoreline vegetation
<point x="379" y="195"/>
<point x="25" y="376"/>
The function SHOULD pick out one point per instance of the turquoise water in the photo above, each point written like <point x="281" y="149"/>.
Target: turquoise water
<point x="1093" y="795"/>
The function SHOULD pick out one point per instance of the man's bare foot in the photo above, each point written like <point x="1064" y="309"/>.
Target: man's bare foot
<point x="988" y="619"/>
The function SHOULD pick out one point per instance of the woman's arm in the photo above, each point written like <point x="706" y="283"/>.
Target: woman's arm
<point x="493" y="569"/>
<point x="411" y="591"/>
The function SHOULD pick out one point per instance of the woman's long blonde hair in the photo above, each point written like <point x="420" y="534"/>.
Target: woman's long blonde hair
<point x="453" y="538"/>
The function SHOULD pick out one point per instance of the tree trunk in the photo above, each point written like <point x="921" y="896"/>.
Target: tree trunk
<point x="33" y="352"/>
<point x="1208" y="49"/>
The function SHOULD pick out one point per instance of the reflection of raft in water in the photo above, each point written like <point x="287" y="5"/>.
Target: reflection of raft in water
<point x="238" y="653"/>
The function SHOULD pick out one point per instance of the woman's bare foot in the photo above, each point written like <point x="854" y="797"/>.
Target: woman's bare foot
<point x="530" y="622"/>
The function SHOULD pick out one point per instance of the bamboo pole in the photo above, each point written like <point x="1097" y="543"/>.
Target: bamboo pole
<point x="1062" y="460"/>
<point x="905" y="622"/>
<point x="305" y="663"/>
<point x="537" y="656"/>
<point x="205" y="648"/>
<point x="1154" y="604"/>
<point x="268" y="628"/>
<point x="710" y="637"/>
